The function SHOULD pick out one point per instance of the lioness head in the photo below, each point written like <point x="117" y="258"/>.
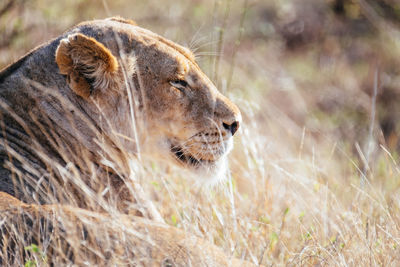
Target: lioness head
<point x="113" y="64"/>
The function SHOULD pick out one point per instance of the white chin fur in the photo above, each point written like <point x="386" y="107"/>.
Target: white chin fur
<point x="213" y="174"/>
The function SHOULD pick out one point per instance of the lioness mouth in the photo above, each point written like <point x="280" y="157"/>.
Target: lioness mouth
<point x="187" y="158"/>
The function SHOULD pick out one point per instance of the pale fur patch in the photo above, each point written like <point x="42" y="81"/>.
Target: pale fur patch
<point x="129" y="63"/>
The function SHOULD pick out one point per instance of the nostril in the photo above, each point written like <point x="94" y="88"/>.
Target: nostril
<point x="232" y="128"/>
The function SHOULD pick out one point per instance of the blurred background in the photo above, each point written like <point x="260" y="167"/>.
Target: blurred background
<point x="315" y="61"/>
<point x="315" y="173"/>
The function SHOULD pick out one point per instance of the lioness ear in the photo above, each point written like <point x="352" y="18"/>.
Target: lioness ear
<point x="88" y="64"/>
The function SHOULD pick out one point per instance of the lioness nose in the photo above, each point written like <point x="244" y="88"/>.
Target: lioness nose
<point x="231" y="127"/>
<point x="227" y="113"/>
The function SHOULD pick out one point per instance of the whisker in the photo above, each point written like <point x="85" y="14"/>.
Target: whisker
<point x="203" y="45"/>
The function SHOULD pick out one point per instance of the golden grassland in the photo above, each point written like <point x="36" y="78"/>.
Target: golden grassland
<point x="314" y="177"/>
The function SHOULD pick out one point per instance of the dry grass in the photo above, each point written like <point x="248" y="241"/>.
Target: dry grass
<point x="315" y="178"/>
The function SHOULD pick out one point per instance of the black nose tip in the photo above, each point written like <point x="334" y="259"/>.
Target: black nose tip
<point x="232" y="127"/>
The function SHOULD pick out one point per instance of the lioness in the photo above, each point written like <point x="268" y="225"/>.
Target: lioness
<point x="73" y="110"/>
<point x="106" y="82"/>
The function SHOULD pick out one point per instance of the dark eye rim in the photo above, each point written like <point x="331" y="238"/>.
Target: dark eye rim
<point x="180" y="84"/>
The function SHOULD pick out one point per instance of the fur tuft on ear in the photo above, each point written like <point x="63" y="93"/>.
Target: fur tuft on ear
<point x="88" y="64"/>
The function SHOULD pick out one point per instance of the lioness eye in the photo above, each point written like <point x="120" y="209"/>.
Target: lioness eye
<point x="179" y="84"/>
